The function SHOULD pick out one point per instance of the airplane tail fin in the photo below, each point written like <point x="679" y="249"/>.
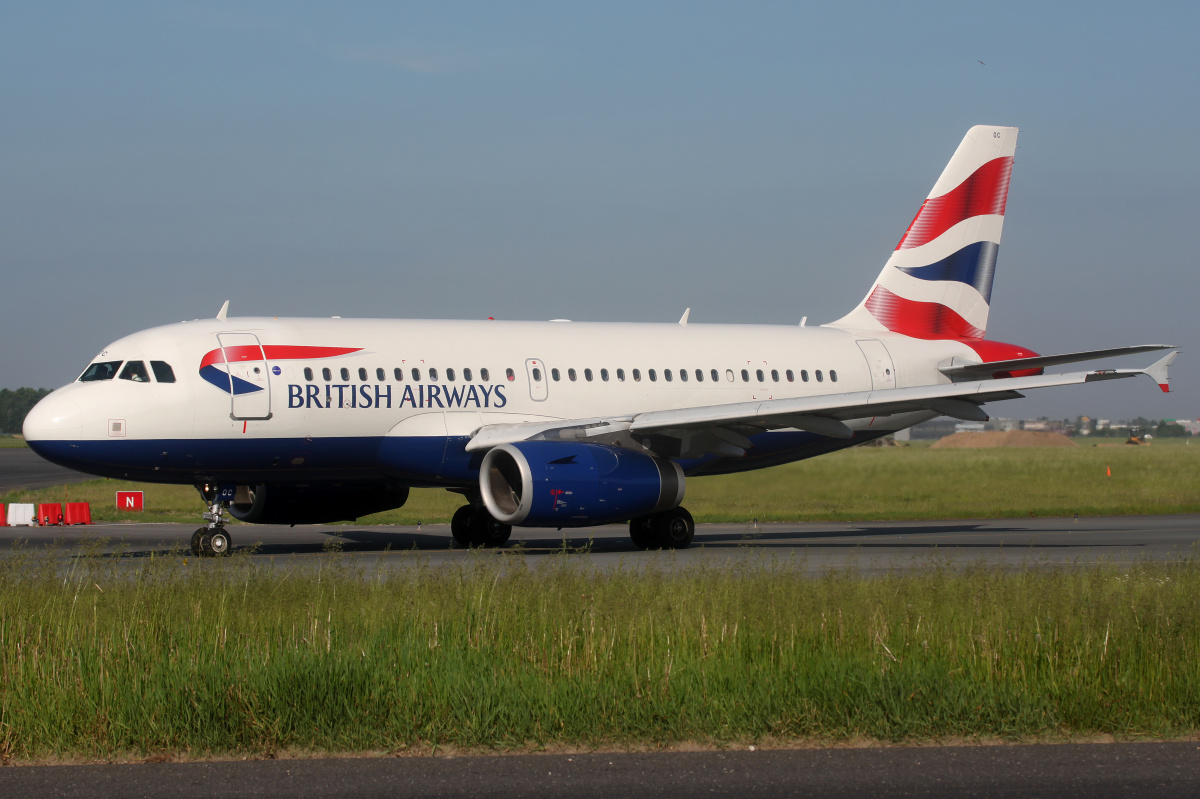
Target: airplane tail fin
<point x="938" y="282"/>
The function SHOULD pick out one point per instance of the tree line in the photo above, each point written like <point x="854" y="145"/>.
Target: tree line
<point x="14" y="405"/>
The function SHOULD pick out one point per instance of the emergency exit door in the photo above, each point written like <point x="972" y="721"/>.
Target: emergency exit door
<point x="536" y="370"/>
<point x="249" y="381"/>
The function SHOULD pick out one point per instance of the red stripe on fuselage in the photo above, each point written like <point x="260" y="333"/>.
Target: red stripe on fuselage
<point x="984" y="192"/>
<point x="274" y="352"/>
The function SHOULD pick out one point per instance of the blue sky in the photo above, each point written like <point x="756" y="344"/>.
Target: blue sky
<point x="756" y="162"/>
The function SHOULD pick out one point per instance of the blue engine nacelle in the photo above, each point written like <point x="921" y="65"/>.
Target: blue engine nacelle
<point x="565" y="484"/>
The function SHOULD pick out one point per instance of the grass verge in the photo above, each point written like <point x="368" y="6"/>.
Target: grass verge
<point x="186" y="657"/>
<point x="859" y="484"/>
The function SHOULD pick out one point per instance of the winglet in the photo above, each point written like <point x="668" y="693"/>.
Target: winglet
<point x="1158" y="370"/>
<point x="224" y="310"/>
<point x="683" y="319"/>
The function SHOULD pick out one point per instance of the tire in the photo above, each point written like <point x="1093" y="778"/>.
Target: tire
<point x="486" y="531"/>
<point x="219" y="543"/>
<point x="673" y="529"/>
<point x="460" y="525"/>
<point x="641" y="533"/>
<point x="197" y="539"/>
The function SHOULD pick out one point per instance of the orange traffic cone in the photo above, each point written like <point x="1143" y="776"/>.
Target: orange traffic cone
<point x="1108" y="471"/>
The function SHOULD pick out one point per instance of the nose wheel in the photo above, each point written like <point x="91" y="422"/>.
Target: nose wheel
<point x="213" y="540"/>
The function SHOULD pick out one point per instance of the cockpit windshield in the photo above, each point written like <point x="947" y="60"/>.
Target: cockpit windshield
<point x="163" y="372"/>
<point x="135" y="371"/>
<point x="101" y="370"/>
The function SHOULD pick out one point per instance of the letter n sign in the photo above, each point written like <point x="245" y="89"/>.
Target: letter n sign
<point x="129" y="500"/>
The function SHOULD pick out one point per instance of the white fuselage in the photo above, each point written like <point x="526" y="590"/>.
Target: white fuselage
<point x="409" y="394"/>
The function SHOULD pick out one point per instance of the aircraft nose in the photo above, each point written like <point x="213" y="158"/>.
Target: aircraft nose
<point x="53" y="419"/>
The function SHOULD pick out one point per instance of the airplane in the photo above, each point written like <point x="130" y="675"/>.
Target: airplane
<point x="555" y="424"/>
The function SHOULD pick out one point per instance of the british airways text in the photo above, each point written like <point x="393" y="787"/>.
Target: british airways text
<point x="374" y="395"/>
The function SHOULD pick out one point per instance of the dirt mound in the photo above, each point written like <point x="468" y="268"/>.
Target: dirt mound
<point x="1012" y="438"/>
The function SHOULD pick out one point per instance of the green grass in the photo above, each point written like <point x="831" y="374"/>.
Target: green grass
<point x="188" y="657"/>
<point x="864" y="483"/>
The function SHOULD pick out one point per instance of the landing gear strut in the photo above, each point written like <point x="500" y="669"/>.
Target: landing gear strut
<point x="668" y="529"/>
<point x="213" y="540"/>
<point x="473" y="526"/>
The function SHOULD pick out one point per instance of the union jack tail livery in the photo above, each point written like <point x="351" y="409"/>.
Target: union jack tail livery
<point x="938" y="282"/>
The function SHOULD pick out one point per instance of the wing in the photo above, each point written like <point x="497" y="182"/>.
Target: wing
<point x="724" y="429"/>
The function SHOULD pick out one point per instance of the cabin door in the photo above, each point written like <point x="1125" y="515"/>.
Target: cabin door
<point x="249" y="384"/>
<point x="883" y="371"/>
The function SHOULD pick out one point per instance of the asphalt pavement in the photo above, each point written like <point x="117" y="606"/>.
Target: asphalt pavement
<point x="21" y="467"/>
<point x="1064" y="771"/>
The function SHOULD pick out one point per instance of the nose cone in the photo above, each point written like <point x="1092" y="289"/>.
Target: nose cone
<point x="55" y="418"/>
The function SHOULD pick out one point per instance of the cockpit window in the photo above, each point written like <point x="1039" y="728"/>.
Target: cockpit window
<point x="163" y="372"/>
<point x="135" y="371"/>
<point x="101" y="370"/>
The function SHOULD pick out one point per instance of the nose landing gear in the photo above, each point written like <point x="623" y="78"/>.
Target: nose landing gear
<point x="213" y="540"/>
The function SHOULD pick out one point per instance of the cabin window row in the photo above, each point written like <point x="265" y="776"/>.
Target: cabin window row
<point x="684" y="375"/>
<point x="449" y="374"/>
<point x="572" y="375"/>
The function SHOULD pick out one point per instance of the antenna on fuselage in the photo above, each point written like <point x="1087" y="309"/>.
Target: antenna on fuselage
<point x="224" y="310"/>
<point x="683" y="319"/>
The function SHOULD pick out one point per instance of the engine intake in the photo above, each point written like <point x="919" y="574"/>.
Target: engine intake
<point x="568" y="484"/>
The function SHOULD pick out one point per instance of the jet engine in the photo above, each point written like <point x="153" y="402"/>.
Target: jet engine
<point x="314" y="503"/>
<point x="569" y="484"/>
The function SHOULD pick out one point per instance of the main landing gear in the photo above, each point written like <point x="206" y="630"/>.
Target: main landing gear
<point x="213" y="540"/>
<point x="668" y="529"/>
<point x="473" y="526"/>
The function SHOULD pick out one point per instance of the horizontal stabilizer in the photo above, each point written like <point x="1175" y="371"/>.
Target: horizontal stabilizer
<point x="974" y="371"/>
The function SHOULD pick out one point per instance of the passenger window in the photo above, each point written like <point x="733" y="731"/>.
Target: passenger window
<point x="604" y="375"/>
<point x="637" y="375"/>
<point x="804" y="375"/>
<point x="433" y="374"/>
<point x="699" y="375"/>
<point x="729" y="375"/>
<point x="483" y="375"/>
<point x="759" y="374"/>
<point x="775" y="375"/>
<point x="163" y="372"/>
<point x="833" y="375"/>
<point x="571" y="375"/>
<point x="345" y="373"/>
<point x="587" y="375"/>
<point x="537" y="375"/>
<point x="716" y="377"/>
<point x="791" y="377"/>
<point x="820" y="377"/>
<point x="510" y="374"/>
<point x="380" y="375"/>
<point x="683" y="375"/>
<point x="398" y="373"/>
<point x="745" y="376"/>
<point x="467" y="373"/>
<point x="308" y="375"/>
<point x="621" y="375"/>
<point x="653" y="375"/>
<point x="416" y="373"/>
<point x="362" y="374"/>
<point x="325" y="373"/>
<point x="450" y="375"/>
<point x="555" y="375"/>
<point x="667" y="375"/>
<point x="104" y="370"/>
<point x="135" y="371"/>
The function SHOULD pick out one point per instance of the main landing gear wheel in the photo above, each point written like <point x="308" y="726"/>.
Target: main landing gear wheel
<point x="198" y="541"/>
<point x="669" y="529"/>
<point x="475" y="527"/>
<point x="460" y="525"/>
